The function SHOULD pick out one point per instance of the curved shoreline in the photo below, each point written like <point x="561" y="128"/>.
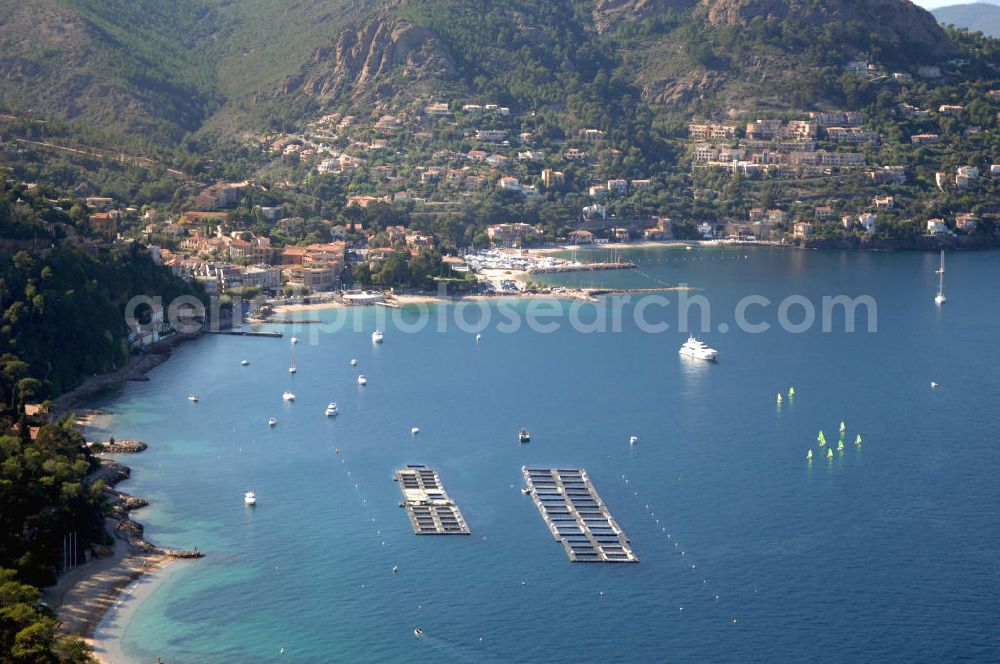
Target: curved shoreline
<point x="106" y="637"/>
<point x="87" y="598"/>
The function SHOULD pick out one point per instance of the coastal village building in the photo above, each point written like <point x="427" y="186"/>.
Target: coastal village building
<point x="888" y="175"/>
<point x="924" y="139"/>
<point x="264" y="277"/>
<point x="617" y="187"/>
<point x="312" y="278"/>
<point x="711" y="130"/>
<point x="510" y="235"/>
<point x="802" y="229"/>
<point x="551" y="178"/>
<point x="105" y="225"/>
<point x="966" y="222"/>
<point x="220" y="196"/>
<point x="824" y="212"/>
<point x="937" y="227"/>
<point x="581" y="237"/>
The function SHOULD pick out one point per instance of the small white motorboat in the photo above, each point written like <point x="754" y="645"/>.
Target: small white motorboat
<point x="940" y="299"/>
<point x="377" y="336"/>
<point x="632" y="440"/>
<point x="292" y="369"/>
<point x="933" y="386"/>
<point x="245" y="363"/>
<point x="362" y="380"/>
<point x="524" y="436"/>
<point x="193" y="398"/>
<point x="271" y="421"/>
<point x="288" y="396"/>
<point x="295" y="340"/>
<point x="250" y="498"/>
<point x="418" y="632"/>
<point x="354" y="361"/>
<point x="415" y="430"/>
<point x="331" y="409"/>
<point x="478" y="337"/>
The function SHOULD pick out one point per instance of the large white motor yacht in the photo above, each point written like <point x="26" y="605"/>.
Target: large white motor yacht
<point x="698" y="349"/>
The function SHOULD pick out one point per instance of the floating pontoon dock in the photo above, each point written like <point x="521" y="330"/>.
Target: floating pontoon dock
<point x="430" y="509"/>
<point x="576" y="515"/>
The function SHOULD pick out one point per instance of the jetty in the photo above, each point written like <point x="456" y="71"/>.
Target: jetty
<point x="430" y="509"/>
<point x="248" y="333"/>
<point x="581" y="267"/>
<point x="576" y="515"/>
<point x="118" y="446"/>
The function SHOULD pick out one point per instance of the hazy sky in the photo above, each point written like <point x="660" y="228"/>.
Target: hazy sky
<point x="931" y="4"/>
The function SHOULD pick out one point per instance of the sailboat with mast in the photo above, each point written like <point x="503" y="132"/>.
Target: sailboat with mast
<point x="940" y="298"/>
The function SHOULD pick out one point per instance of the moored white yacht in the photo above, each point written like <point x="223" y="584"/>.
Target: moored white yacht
<point x="250" y="498"/>
<point x="331" y="409"/>
<point x="193" y="398"/>
<point x="698" y="349"/>
<point x="245" y="362"/>
<point x="377" y="336"/>
<point x="288" y="396"/>
<point x="271" y="421"/>
<point x="354" y="361"/>
<point x="362" y="380"/>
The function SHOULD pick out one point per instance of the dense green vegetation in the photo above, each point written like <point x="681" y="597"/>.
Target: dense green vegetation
<point x="28" y="631"/>
<point x="63" y="308"/>
<point x="423" y="271"/>
<point x="44" y="497"/>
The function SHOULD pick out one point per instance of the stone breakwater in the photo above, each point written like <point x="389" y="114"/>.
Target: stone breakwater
<point x="127" y="529"/>
<point x="119" y="447"/>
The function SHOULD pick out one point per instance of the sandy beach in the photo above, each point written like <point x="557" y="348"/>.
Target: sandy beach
<point x="83" y="596"/>
<point x="292" y="308"/>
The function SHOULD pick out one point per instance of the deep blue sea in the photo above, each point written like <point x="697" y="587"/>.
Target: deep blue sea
<point x="748" y="553"/>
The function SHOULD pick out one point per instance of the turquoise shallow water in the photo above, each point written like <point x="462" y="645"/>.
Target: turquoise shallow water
<point x="886" y="553"/>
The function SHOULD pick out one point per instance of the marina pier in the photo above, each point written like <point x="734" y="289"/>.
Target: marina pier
<point x="430" y="509"/>
<point x="576" y="515"/>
